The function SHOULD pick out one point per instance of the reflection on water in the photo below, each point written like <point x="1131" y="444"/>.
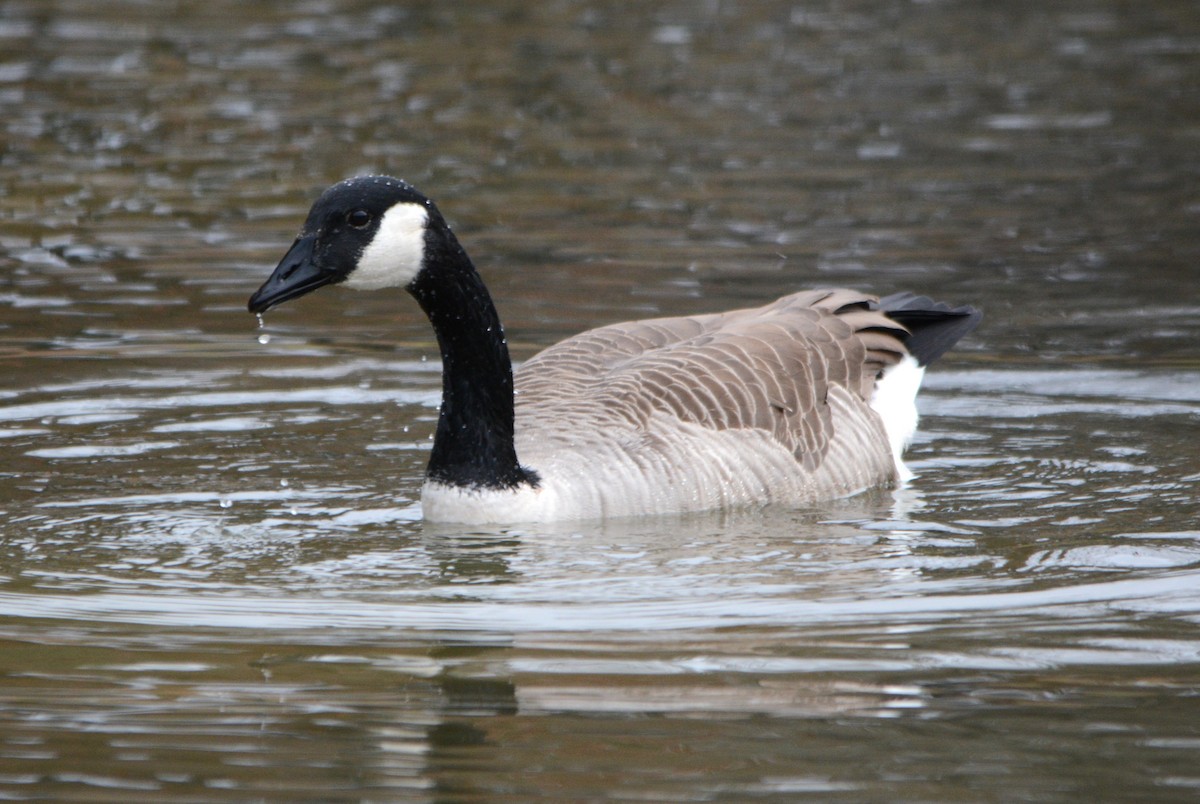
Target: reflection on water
<point x="214" y="579"/>
<point x="243" y="609"/>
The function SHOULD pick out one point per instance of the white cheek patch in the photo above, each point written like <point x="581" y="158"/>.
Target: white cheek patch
<point x="394" y="256"/>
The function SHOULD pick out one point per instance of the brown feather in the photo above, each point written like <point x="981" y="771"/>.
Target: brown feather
<point x="771" y="368"/>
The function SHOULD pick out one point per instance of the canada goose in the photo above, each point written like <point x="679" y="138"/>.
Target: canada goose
<point x="807" y="398"/>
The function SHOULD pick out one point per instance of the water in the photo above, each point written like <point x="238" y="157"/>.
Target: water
<point x="214" y="580"/>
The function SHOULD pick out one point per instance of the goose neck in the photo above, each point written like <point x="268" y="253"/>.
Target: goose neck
<point x="473" y="445"/>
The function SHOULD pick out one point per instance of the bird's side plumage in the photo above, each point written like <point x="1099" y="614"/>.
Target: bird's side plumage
<point x="756" y="406"/>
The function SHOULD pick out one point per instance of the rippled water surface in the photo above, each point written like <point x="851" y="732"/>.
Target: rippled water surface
<point x="214" y="578"/>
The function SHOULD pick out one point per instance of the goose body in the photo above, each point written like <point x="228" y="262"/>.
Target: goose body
<point x="807" y="398"/>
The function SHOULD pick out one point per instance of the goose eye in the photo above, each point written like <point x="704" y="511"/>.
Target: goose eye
<point x="358" y="218"/>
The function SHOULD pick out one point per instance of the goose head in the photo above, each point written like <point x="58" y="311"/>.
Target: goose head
<point x="368" y="232"/>
<point x="374" y="232"/>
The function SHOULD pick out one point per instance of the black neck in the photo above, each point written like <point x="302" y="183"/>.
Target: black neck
<point x="473" y="446"/>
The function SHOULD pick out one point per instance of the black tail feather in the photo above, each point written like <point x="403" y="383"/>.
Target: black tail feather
<point x="934" y="327"/>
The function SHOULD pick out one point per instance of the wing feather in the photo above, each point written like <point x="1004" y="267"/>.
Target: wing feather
<point x="770" y="368"/>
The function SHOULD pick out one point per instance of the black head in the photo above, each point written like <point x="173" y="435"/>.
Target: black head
<point x="368" y="232"/>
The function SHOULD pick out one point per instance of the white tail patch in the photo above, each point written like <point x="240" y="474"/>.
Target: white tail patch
<point x="895" y="400"/>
